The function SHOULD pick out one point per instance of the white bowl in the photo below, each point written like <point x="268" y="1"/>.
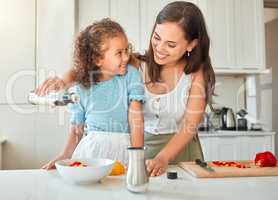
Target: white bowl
<point x="96" y="170"/>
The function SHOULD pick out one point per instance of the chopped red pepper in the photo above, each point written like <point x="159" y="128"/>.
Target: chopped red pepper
<point x="230" y="164"/>
<point x="77" y="164"/>
<point x="271" y="158"/>
<point x="265" y="159"/>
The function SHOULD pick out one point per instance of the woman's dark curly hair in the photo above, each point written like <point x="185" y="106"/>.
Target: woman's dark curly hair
<point x="89" y="48"/>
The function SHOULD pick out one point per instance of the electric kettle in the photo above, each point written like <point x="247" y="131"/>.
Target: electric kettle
<point x="228" y="119"/>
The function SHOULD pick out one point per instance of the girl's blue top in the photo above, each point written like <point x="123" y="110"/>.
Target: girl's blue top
<point x="104" y="106"/>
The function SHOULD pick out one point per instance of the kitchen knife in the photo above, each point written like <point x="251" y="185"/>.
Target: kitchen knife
<point x="204" y="165"/>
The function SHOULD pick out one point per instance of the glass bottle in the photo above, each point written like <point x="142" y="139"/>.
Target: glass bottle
<point x="55" y="98"/>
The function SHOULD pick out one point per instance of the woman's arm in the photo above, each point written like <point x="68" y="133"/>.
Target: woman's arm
<point x="136" y="123"/>
<point x="196" y="105"/>
<point x="69" y="77"/>
<point x="57" y="83"/>
<point x="76" y="133"/>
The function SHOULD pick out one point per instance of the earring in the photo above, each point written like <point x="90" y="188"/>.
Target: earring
<point x="188" y="53"/>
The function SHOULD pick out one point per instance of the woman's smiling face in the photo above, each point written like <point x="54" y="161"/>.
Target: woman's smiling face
<point x="169" y="43"/>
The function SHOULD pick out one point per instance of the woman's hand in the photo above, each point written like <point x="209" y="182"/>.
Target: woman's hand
<point x="49" y="84"/>
<point x="157" y="166"/>
<point x="51" y="164"/>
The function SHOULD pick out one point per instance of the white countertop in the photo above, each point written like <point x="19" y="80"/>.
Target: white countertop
<point x="46" y="185"/>
<point x="233" y="133"/>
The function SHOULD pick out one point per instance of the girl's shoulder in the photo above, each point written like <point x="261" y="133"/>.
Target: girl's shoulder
<point x="133" y="74"/>
<point x="77" y="88"/>
<point x="132" y="71"/>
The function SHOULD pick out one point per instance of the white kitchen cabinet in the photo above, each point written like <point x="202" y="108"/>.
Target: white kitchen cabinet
<point x="220" y="21"/>
<point x="206" y="146"/>
<point x="225" y="148"/>
<point x="236" y="30"/>
<point x="249" y="29"/>
<point x="89" y="11"/>
<point x="34" y="135"/>
<point x="52" y="131"/>
<point x="55" y="37"/>
<point x="235" y="145"/>
<point x="127" y="13"/>
<point x="17" y="59"/>
<point x="148" y="12"/>
<point x="220" y="148"/>
<point x="250" y="145"/>
<point x="17" y="126"/>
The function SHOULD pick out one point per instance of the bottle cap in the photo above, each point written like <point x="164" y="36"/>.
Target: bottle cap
<point x="75" y="98"/>
<point x="172" y="175"/>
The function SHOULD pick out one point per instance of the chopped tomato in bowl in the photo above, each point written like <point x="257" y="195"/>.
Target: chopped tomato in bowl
<point x="84" y="170"/>
<point x="77" y="164"/>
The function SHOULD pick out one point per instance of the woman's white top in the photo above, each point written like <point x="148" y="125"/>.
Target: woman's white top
<point x="163" y="113"/>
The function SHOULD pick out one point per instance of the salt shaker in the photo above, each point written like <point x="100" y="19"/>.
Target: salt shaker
<point x="137" y="179"/>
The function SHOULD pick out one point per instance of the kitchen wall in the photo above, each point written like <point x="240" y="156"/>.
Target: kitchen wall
<point x="267" y="94"/>
<point x="230" y="92"/>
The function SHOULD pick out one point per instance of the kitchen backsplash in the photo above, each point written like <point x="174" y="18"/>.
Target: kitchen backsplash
<point x="230" y="92"/>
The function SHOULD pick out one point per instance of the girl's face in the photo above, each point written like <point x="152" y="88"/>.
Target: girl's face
<point x="115" y="58"/>
<point x="169" y="44"/>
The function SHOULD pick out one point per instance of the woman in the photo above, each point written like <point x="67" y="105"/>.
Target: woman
<point x="179" y="82"/>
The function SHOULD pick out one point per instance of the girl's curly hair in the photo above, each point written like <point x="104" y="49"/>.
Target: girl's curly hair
<point x="88" y="49"/>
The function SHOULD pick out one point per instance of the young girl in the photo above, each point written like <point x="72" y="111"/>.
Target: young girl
<point x="111" y="93"/>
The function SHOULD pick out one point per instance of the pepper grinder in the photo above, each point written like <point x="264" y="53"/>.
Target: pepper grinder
<point x="137" y="179"/>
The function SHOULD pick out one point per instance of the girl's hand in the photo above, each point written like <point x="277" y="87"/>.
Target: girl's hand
<point x="156" y="166"/>
<point x="54" y="83"/>
<point x="51" y="164"/>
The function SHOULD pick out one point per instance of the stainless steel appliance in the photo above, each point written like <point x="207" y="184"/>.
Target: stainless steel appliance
<point x="241" y="120"/>
<point x="137" y="179"/>
<point x="215" y="119"/>
<point x="222" y="119"/>
<point x="228" y="119"/>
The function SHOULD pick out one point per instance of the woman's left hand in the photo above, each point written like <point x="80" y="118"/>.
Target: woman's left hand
<point x="156" y="166"/>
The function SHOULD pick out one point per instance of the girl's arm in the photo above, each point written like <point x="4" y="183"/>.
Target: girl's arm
<point x="57" y="83"/>
<point x="194" y="112"/>
<point x="76" y="133"/>
<point x="136" y="123"/>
